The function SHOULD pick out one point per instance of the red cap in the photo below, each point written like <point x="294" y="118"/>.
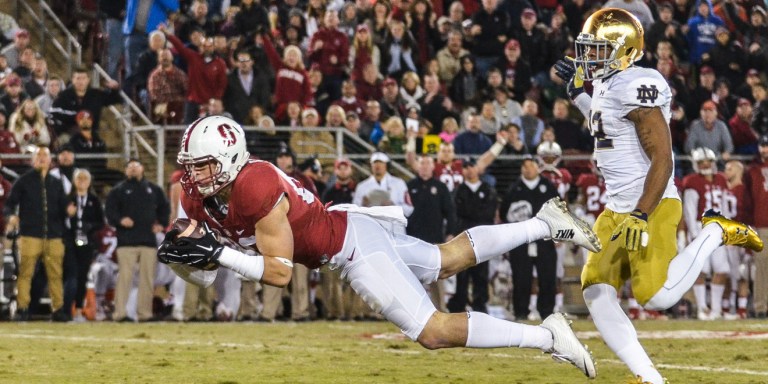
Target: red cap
<point x="709" y="105"/>
<point x="13" y="80"/>
<point x="84" y="114"/>
<point x="707" y="70"/>
<point x="512" y="44"/>
<point x="388" y="81"/>
<point x="341" y="161"/>
<point x="529" y="12"/>
<point x="753" y="72"/>
<point x="362" y="26"/>
<point x="22" y="33"/>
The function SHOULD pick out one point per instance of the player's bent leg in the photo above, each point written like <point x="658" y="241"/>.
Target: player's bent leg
<point x="618" y="332"/>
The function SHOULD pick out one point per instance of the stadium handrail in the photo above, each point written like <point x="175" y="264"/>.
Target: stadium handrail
<point x="72" y="58"/>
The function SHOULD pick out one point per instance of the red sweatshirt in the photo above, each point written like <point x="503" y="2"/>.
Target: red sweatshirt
<point x="291" y="84"/>
<point x="206" y="80"/>
<point x="335" y="43"/>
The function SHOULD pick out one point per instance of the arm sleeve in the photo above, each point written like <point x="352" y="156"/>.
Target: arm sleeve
<point x="183" y="50"/>
<point x="112" y="209"/>
<point x="13" y="200"/>
<point x="583" y="102"/>
<point x="272" y="55"/>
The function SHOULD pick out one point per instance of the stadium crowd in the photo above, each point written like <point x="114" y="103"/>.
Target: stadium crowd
<point x="451" y="85"/>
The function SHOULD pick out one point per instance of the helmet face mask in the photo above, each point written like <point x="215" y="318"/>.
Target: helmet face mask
<point x="611" y="41"/>
<point x="212" y="153"/>
<point x="704" y="161"/>
<point x="548" y="155"/>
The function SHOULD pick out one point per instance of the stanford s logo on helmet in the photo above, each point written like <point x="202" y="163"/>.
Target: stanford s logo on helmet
<point x="216" y="142"/>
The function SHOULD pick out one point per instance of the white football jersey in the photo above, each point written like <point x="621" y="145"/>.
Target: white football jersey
<point x="618" y="152"/>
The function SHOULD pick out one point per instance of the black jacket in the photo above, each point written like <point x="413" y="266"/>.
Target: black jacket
<point x="339" y="193"/>
<point x="35" y="218"/>
<point x="475" y="208"/>
<point x="67" y="105"/>
<point x="145" y="203"/>
<point x="238" y="102"/>
<point x="91" y="219"/>
<point x="432" y="204"/>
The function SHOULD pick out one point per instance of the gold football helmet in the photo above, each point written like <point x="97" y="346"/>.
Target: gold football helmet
<point x="610" y="41"/>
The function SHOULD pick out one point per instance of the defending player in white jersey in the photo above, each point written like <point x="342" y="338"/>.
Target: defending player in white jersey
<point x="628" y="114"/>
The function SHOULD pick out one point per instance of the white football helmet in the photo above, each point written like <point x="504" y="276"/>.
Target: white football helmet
<point x="704" y="154"/>
<point x="549" y="154"/>
<point x="217" y="141"/>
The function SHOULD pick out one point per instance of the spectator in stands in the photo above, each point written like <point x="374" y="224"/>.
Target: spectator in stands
<point x="85" y="143"/>
<point x="727" y="57"/>
<point x="363" y="52"/>
<point x="329" y="48"/>
<point x="26" y="64"/>
<point x="348" y="21"/>
<point x="465" y="86"/>
<point x="112" y="13"/>
<point x="676" y="82"/>
<point x="5" y="70"/>
<point x="13" y="96"/>
<point x="505" y="108"/>
<point x="215" y="107"/>
<point x="398" y="52"/>
<point x="78" y="241"/>
<point x="420" y="19"/>
<point x="392" y="103"/>
<point x="369" y="87"/>
<point x="380" y="19"/>
<point x="709" y="132"/>
<point x="292" y="81"/>
<point x="12" y="52"/>
<point x="449" y="58"/>
<point x="53" y="86"/>
<point x="371" y="129"/>
<point x="313" y="141"/>
<point x="489" y="34"/>
<point x="531" y="125"/>
<point x="533" y="45"/>
<point x="35" y="85"/>
<point x="701" y="31"/>
<point x="756" y="37"/>
<point x="472" y="141"/>
<point x="335" y="117"/>
<point x="726" y="101"/>
<point x="207" y="76"/>
<point x="489" y="123"/>
<point x="81" y="96"/>
<point x="349" y="100"/>
<point x="41" y="226"/>
<point x="433" y="104"/>
<point x="135" y="85"/>
<point x="744" y="90"/>
<point x="476" y="204"/>
<point x="8" y="28"/>
<point x="570" y="135"/>
<point x="760" y="110"/>
<point x="141" y="18"/>
<point x="393" y="141"/>
<point x="517" y="72"/>
<point x="167" y="87"/>
<point x="410" y="89"/>
<point x="666" y="28"/>
<point x="196" y="19"/>
<point x="702" y="92"/>
<point x="138" y="209"/>
<point x="252" y="19"/>
<point x="28" y="126"/>
<point x="246" y="88"/>
<point x="744" y="137"/>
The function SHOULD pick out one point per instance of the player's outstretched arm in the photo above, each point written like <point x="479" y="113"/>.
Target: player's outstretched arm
<point x="274" y="239"/>
<point x="655" y="138"/>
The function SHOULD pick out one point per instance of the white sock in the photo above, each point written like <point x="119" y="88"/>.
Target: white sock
<point x="534" y="303"/>
<point x="686" y="266"/>
<point x="717" y="291"/>
<point x="700" y="292"/>
<point x="558" y="302"/>
<point x="485" y="331"/>
<point x="743" y="302"/>
<point x="632" y="303"/>
<point x="617" y="331"/>
<point x="489" y="241"/>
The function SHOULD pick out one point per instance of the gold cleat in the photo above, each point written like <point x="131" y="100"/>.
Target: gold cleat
<point x="734" y="232"/>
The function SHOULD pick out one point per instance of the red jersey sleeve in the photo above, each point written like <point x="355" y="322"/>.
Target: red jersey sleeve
<point x="257" y="190"/>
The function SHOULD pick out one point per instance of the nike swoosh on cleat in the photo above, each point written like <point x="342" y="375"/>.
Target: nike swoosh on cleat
<point x="208" y="248"/>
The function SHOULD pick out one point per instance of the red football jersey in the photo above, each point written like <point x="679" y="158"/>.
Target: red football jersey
<point x="317" y="233"/>
<point x="593" y="188"/>
<point x="106" y="242"/>
<point x="757" y="184"/>
<point x="449" y="174"/>
<point x="711" y="193"/>
<point x="733" y="203"/>
<point x="562" y="181"/>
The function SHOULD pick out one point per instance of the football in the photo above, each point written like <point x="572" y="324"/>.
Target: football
<point x="188" y="228"/>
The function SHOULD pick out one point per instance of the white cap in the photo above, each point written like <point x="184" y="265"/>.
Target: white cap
<point x="379" y="156"/>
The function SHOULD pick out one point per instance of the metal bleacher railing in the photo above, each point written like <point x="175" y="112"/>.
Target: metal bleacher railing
<point x="70" y="49"/>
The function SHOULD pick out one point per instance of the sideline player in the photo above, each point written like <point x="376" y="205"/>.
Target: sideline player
<point x="256" y="205"/>
<point x="628" y="114"/>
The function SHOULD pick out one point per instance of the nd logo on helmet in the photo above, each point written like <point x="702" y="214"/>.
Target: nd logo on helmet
<point x="227" y="134"/>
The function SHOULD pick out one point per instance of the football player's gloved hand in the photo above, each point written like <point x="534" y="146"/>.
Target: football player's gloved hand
<point x="566" y="71"/>
<point x="633" y="230"/>
<point x="200" y="253"/>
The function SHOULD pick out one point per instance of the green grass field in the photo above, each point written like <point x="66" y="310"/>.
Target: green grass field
<point x="340" y="352"/>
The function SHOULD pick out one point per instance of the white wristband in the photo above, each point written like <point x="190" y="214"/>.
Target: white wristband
<point x="251" y="267"/>
<point x="496" y="148"/>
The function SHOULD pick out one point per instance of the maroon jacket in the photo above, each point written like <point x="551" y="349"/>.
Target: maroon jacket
<point x="335" y="43"/>
<point x="206" y="80"/>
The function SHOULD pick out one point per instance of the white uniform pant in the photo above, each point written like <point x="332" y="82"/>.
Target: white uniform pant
<point x="387" y="269"/>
